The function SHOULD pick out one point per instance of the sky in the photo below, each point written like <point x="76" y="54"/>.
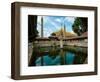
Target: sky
<point x="54" y="23"/>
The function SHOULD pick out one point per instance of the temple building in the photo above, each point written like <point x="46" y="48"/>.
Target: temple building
<point x="62" y="38"/>
<point x="63" y="33"/>
<point x="71" y="38"/>
<point x="59" y="38"/>
<point x="81" y="41"/>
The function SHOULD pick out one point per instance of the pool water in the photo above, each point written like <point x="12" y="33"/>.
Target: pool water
<point x="57" y="57"/>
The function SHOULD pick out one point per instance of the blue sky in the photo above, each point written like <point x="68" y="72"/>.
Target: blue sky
<point x="54" y="23"/>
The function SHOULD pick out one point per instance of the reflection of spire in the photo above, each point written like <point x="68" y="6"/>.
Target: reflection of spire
<point x="63" y="57"/>
<point x="41" y="26"/>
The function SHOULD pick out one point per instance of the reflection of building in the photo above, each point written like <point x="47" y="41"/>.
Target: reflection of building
<point x="56" y="39"/>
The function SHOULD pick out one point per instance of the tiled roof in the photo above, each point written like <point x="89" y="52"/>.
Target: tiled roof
<point x="85" y="34"/>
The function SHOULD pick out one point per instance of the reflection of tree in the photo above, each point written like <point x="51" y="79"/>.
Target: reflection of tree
<point x="53" y="52"/>
<point x="80" y="25"/>
<point x="62" y="56"/>
<point x="32" y="30"/>
<point x="80" y="58"/>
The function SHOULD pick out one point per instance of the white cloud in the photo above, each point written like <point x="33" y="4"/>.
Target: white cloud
<point x="70" y="19"/>
<point x="52" y="22"/>
<point x="56" y="27"/>
<point x="39" y="29"/>
<point x="39" y="19"/>
<point x="51" y="25"/>
<point x="47" y="32"/>
<point x="58" y="20"/>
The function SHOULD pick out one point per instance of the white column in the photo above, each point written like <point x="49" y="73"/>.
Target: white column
<point x="61" y="43"/>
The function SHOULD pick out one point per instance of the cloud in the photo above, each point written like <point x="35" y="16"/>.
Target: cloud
<point x="53" y="23"/>
<point x="39" y="20"/>
<point x="70" y="19"/>
<point x="58" y="20"/>
<point x="50" y="23"/>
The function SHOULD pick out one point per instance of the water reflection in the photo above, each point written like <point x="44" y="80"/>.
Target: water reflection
<point x="69" y="58"/>
<point x="57" y="57"/>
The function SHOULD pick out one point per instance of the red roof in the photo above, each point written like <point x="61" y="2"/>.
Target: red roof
<point x="85" y="34"/>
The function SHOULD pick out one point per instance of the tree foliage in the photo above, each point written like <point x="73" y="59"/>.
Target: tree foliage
<point x="80" y="25"/>
<point x="53" y="34"/>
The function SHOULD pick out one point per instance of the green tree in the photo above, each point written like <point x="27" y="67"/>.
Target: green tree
<point x="53" y="34"/>
<point x="80" y="25"/>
